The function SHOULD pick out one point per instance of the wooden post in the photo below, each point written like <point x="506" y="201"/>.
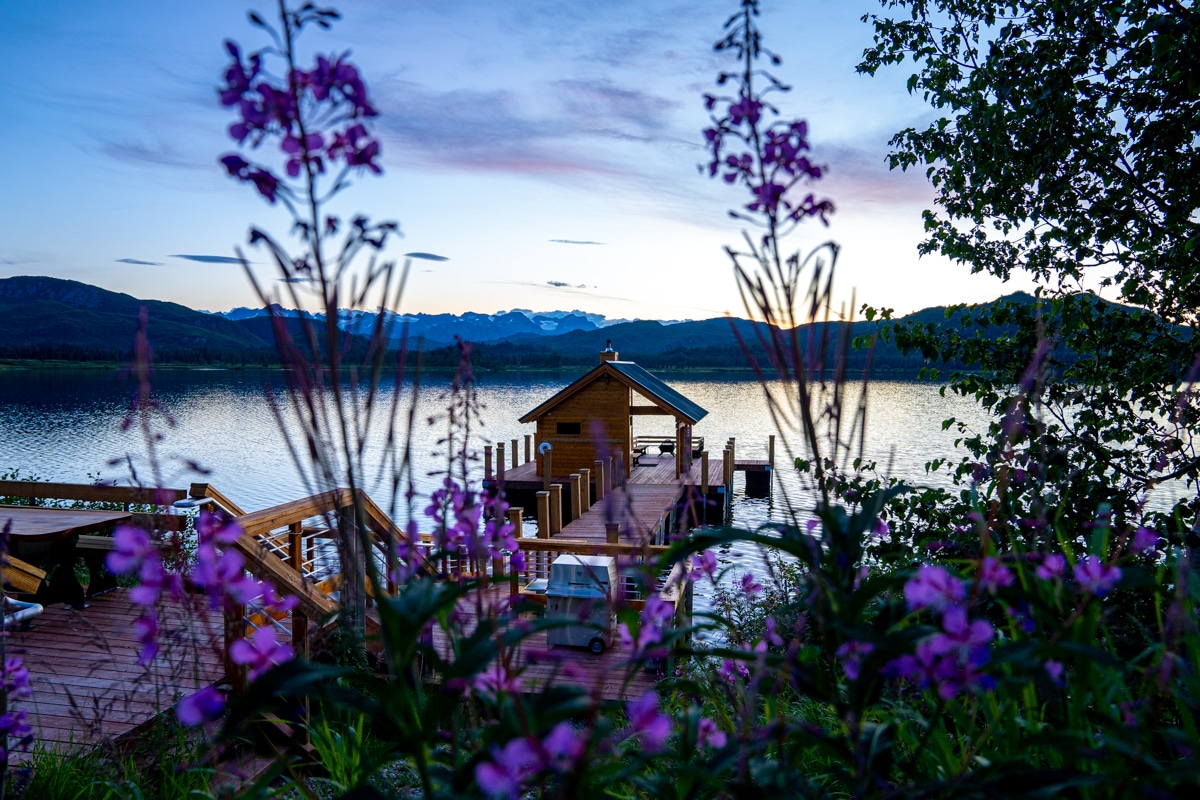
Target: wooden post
<point x="547" y="469"/>
<point x="612" y="532"/>
<point x="555" y="508"/>
<point x="514" y="518"/>
<point x="353" y="564"/>
<point x="601" y="489"/>
<point x="296" y="562"/>
<point x="514" y="454"/>
<point x="585" y="492"/>
<point x="704" y="473"/>
<point x="528" y="448"/>
<point x="610" y="475"/>
<point x="543" y="515"/>
<point x="499" y="461"/>
<point x="771" y="451"/>
<point x="576" y="500"/>
<point x="487" y="462"/>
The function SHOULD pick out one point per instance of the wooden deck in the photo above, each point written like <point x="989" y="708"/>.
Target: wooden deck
<point x="87" y="684"/>
<point x="639" y="510"/>
<point x="608" y="676"/>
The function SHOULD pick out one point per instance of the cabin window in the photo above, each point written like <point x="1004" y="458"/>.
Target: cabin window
<point x="570" y="428"/>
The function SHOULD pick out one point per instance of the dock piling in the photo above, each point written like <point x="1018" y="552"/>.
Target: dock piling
<point x="543" y="515"/>
<point x="499" y="461"/>
<point x="601" y="480"/>
<point x="576" y="498"/>
<point x="555" y="508"/>
<point x="514" y="454"/>
<point x="585" y="492"/>
<point x="612" y="532"/>
<point x="487" y="462"/>
<point x="528" y="448"/>
<point x="704" y="473"/>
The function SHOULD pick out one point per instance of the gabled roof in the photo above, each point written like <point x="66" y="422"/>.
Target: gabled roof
<point x="635" y="378"/>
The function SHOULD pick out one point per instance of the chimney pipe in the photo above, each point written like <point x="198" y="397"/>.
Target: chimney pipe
<point x="608" y="354"/>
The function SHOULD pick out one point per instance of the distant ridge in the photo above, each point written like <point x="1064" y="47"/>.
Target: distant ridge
<point x="44" y="318"/>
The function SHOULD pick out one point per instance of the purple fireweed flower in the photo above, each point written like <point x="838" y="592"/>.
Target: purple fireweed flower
<point x="1052" y="566"/>
<point x="706" y="563"/>
<point x="146" y="628"/>
<point x="1144" y="540"/>
<point x="949" y="661"/>
<point x="709" y="735"/>
<point x="200" y="707"/>
<point x="771" y="636"/>
<point x="13" y="726"/>
<point x="851" y="653"/>
<point x="260" y="651"/>
<point x="1055" y="670"/>
<point x="1095" y="577"/>
<point x="933" y="588"/>
<point x="750" y="587"/>
<point x="495" y="679"/>
<point x="731" y="670"/>
<point x="16" y="678"/>
<point x="650" y="725"/>
<point x="993" y="575"/>
<point x="880" y="532"/>
<point x="509" y="768"/>
<point x="131" y="546"/>
<point x="563" y="747"/>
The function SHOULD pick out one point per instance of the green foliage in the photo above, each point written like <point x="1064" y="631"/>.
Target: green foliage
<point x="162" y="767"/>
<point x="1066" y="140"/>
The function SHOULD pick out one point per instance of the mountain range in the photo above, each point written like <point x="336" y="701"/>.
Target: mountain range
<point x="45" y="318"/>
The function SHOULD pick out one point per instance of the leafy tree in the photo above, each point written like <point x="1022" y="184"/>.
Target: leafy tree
<point x="1069" y="142"/>
<point x="1067" y="147"/>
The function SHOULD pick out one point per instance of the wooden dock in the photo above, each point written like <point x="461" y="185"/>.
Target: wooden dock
<point x="612" y="675"/>
<point x="87" y="685"/>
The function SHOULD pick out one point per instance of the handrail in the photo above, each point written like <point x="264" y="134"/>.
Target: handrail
<point x="201" y="490"/>
<point x="91" y="493"/>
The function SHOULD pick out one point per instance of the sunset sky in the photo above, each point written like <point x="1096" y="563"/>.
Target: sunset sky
<point x="547" y="149"/>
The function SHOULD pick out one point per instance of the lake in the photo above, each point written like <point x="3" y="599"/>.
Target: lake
<point x="71" y="425"/>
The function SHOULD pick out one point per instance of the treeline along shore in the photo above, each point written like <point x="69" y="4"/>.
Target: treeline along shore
<point x="52" y="322"/>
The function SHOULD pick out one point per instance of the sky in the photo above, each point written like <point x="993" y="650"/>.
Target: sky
<point x="546" y="150"/>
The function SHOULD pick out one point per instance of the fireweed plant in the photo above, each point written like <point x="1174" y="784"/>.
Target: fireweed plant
<point x="991" y="663"/>
<point x="877" y="669"/>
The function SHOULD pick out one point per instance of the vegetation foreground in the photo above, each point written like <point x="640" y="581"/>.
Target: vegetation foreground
<point x="1032" y="633"/>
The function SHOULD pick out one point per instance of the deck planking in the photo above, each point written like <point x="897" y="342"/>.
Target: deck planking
<point x="639" y="509"/>
<point x="612" y="675"/>
<point x="86" y="683"/>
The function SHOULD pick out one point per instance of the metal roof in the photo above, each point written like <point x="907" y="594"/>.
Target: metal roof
<point x="639" y="380"/>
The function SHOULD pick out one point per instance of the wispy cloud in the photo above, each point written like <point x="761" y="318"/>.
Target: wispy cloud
<point x="139" y="262"/>
<point x="573" y="241"/>
<point x="208" y="259"/>
<point x="565" y="285"/>
<point x="427" y="256"/>
<point x="155" y="154"/>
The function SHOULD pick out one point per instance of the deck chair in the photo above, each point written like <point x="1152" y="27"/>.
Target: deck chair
<point x="23" y="577"/>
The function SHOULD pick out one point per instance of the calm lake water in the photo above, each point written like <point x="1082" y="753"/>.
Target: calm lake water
<point x="71" y="426"/>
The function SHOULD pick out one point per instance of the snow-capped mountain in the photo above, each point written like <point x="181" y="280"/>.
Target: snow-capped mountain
<point x="440" y="329"/>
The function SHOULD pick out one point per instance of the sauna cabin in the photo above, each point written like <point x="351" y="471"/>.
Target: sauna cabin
<point x="596" y="416"/>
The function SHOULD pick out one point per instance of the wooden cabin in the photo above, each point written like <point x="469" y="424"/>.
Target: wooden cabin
<point x="594" y="416"/>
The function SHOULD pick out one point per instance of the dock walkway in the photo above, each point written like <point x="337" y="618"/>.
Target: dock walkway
<point x="87" y="685"/>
